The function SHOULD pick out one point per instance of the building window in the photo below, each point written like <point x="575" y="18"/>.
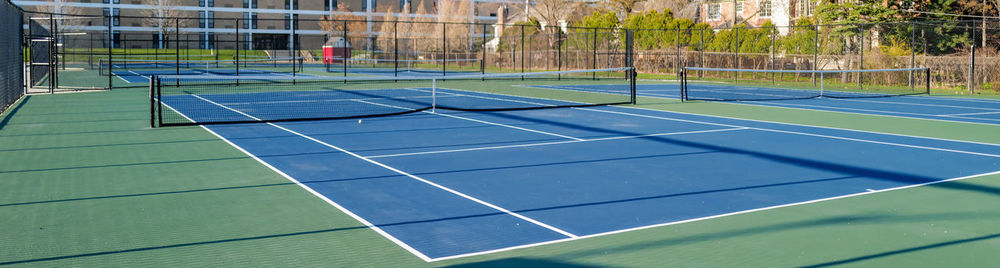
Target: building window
<point x="116" y="16"/>
<point x="713" y="11"/>
<point x="206" y="40"/>
<point x="288" y="4"/>
<point x="107" y="14"/>
<point x="295" y="21"/>
<point x="288" y="20"/>
<point x="739" y="7"/>
<point x="253" y="20"/>
<point x="330" y="4"/>
<point x="246" y="20"/>
<point x="364" y="5"/>
<point x="246" y="3"/>
<point x="211" y="3"/>
<point x="116" y="1"/>
<point x="326" y="5"/>
<point x="806" y="7"/>
<point x="765" y="9"/>
<point x="211" y="19"/>
<point x="201" y="3"/>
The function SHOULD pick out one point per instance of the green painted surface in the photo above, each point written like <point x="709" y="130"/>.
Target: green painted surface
<point x="85" y="182"/>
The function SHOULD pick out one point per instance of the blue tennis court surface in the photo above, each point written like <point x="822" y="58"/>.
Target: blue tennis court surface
<point x="982" y="111"/>
<point x="451" y="184"/>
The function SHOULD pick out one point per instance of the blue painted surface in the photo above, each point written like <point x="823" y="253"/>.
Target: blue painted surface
<point x="648" y="169"/>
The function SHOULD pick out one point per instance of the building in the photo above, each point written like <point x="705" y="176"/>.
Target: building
<point x="782" y="13"/>
<point x="261" y="24"/>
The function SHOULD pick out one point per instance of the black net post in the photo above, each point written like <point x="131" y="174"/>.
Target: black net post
<point x="152" y="105"/>
<point x="177" y="49"/>
<point x="52" y="56"/>
<point x="559" y="38"/>
<point x="482" y="61"/>
<point x="630" y="62"/>
<point x="110" y="54"/>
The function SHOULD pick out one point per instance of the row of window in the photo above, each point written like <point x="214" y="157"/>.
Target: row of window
<point x="763" y="9"/>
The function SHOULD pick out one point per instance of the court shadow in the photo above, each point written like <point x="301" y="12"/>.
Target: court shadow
<point x="834" y="167"/>
<point x="653" y="244"/>
<point x="522" y="262"/>
<point x="10" y="114"/>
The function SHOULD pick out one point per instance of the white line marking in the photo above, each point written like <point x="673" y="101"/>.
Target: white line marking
<point x="313" y="192"/>
<point x="558" y="142"/>
<point x="919" y="104"/>
<point x="817" y="135"/>
<point x="969" y="114"/>
<point x="709" y="217"/>
<point x="479" y="121"/>
<point x="481" y="202"/>
<point x="823" y="127"/>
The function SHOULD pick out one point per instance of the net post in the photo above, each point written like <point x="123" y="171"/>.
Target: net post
<point x="152" y="89"/>
<point x="558" y="52"/>
<point x="683" y="79"/>
<point x="177" y="48"/>
<point x="482" y="62"/>
<point x="159" y="100"/>
<point x="110" y="54"/>
<point x="928" y="85"/>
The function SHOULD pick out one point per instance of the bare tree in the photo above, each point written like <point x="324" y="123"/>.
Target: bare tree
<point x="621" y="7"/>
<point x="164" y="17"/>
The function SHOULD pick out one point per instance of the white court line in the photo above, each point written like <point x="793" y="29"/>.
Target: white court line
<point x="343" y="209"/>
<point x="463" y="195"/>
<point x="557" y="142"/>
<point x="820" y="135"/>
<point x="774" y="130"/>
<point x="918" y="104"/>
<point x="709" y="217"/>
<point x="969" y="114"/>
<point x="479" y="121"/>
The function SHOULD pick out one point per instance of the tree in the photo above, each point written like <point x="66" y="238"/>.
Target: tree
<point x="623" y="8"/>
<point x="164" y="17"/>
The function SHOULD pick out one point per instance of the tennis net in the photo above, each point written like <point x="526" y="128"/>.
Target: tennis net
<point x="135" y="67"/>
<point x="215" y="99"/>
<point x="718" y="84"/>
<point x="404" y="67"/>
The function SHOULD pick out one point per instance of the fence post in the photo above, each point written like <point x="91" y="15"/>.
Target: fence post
<point x="444" y="49"/>
<point x="815" y="64"/>
<point x="861" y="63"/>
<point x="913" y="49"/>
<point x="701" y="53"/>
<point x="972" y="61"/>
<point x="772" y="53"/>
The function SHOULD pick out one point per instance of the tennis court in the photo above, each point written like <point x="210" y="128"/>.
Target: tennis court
<point x="208" y="138"/>
<point x="445" y="184"/>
